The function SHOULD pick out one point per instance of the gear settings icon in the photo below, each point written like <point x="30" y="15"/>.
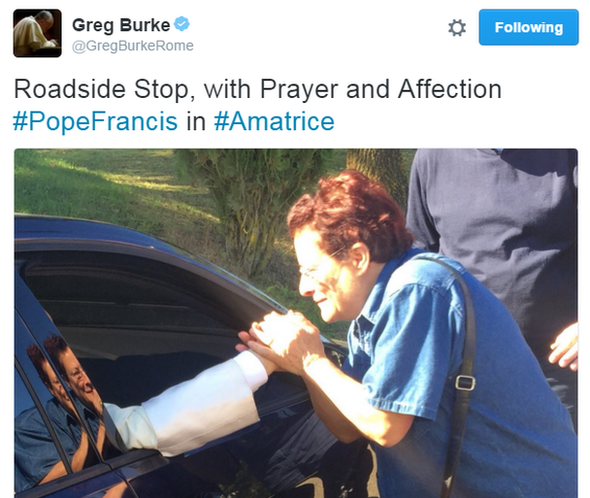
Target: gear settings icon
<point x="457" y="27"/>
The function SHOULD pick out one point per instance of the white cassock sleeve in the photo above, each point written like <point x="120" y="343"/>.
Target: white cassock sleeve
<point x="215" y="403"/>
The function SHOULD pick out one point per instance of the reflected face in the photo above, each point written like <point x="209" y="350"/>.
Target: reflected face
<point x="78" y="380"/>
<point x="56" y="388"/>
<point x="325" y="279"/>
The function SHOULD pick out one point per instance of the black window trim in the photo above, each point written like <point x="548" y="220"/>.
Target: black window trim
<point x="70" y="480"/>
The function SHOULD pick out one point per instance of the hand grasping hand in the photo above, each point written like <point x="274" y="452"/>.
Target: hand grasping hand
<point x="291" y="341"/>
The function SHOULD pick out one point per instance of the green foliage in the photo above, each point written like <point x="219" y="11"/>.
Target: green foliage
<point x="252" y="191"/>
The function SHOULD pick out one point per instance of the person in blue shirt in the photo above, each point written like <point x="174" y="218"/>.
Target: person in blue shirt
<point x="405" y="349"/>
<point x="36" y="458"/>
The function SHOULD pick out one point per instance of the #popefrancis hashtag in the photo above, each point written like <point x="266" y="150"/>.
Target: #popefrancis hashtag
<point x="95" y="121"/>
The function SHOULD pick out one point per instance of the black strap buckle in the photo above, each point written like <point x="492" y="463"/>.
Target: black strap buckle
<point x="465" y="383"/>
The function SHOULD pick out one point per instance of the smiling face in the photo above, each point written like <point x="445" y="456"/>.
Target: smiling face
<point x="56" y="388"/>
<point x="78" y="380"/>
<point x="335" y="285"/>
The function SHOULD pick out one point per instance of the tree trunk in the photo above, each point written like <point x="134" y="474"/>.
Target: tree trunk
<point x="385" y="166"/>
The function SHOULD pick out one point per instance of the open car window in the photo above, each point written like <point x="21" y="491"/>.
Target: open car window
<point x="140" y="326"/>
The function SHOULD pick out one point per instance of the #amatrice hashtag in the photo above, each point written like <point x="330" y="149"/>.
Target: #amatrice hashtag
<point x="226" y="121"/>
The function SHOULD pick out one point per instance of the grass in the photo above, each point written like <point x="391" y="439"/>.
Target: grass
<point x="136" y="189"/>
<point x="140" y="189"/>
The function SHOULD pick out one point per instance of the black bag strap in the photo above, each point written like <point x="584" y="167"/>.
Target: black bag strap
<point x="464" y="384"/>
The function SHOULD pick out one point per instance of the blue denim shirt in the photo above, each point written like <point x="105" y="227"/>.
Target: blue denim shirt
<point x="35" y="452"/>
<point x="406" y="349"/>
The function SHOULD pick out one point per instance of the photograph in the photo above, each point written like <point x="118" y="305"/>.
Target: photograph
<point x="37" y="33"/>
<point x="296" y="322"/>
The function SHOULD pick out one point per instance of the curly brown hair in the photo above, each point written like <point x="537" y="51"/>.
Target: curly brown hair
<point x="349" y="208"/>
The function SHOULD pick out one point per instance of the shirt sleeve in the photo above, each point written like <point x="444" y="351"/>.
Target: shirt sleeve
<point x="412" y="355"/>
<point x="35" y="38"/>
<point x="34" y="450"/>
<point x="419" y="219"/>
<point x="252" y="368"/>
<point x="129" y="428"/>
<point x="215" y="403"/>
<point x="185" y="417"/>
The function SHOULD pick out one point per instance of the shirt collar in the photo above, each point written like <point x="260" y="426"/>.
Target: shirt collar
<point x="373" y="303"/>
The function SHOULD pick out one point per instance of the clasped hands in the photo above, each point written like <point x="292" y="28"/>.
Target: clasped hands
<point x="289" y="340"/>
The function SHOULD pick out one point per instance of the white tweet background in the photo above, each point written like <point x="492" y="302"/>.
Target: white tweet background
<point x="544" y="100"/>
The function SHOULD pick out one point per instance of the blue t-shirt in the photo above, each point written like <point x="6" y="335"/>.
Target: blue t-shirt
<point x="406" y="349"/>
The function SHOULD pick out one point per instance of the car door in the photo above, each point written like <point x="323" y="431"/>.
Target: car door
<point x="119" y="469"/>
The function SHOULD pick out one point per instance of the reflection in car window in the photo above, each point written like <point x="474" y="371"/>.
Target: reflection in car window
<point x="85" y="404"/>
<point x="73" y="410"/>
<point x="35" y="452"/>
<point x="121" y="325"/>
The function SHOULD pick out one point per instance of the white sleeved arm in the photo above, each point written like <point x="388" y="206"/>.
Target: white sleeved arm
<point x="252" y="368"/>
<point x="214" y="404"/>
<point x="129" y="428"/>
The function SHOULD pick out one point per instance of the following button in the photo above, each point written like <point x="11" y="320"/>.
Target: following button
<point x="528" y="27"/>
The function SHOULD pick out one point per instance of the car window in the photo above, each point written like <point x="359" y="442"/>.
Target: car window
<point x="140" y="326"/>
<point x="137" y="340"/>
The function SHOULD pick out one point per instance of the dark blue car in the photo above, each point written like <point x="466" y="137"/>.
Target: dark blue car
<point x="140" y="316"/>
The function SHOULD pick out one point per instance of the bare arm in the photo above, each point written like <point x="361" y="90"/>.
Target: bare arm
<point x="335" y="421"/>
<point x="348" y="398"/>
<point x="78" y="461"/>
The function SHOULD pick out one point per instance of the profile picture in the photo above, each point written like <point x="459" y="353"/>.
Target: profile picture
<point x="37" y="33"/>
